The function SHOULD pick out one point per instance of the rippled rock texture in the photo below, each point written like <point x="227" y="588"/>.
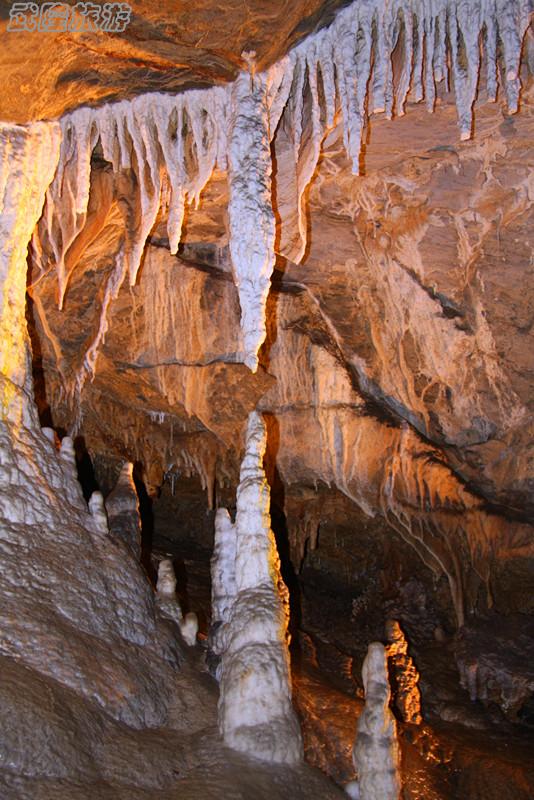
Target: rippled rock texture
<point x="397" y="365"/>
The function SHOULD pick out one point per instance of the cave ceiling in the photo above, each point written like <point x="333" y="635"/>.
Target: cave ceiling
<point x="166" y="47"/>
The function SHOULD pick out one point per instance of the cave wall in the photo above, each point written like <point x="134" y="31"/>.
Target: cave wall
<point x="389" y="346"/>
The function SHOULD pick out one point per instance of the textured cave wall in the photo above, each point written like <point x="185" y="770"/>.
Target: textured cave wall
<point x="391" y="368"/>
<point x="67" y="591"/>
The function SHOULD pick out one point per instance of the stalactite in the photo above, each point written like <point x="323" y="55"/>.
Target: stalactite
<point x="149" y="136"/>
<point x="250" y="213"/>
<point x="177" y="141"/>
<point x="67" y="198"/>
<point x="255" y="712"/>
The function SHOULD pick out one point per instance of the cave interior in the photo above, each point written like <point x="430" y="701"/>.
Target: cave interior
<point x="266" y="434"/>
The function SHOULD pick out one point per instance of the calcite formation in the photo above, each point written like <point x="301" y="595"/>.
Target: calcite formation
<point x="166" y="599"/>
<point x="250" y="213"/>
<point x="184" y="138"/>
<point x="376" y="753"/>
<point x="67" y="590"/>
<point x="223" y="578"/>
<point x="331" y="354"/>
<point x="122" y="508"/>
<point x="255" y="712"/>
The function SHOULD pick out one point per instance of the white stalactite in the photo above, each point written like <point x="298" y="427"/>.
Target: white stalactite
<point x="250" y="214"/>
<point x="255" y="712"/>
<point x="376" y="752"/>
<point x="150" y="136"/>
<point x="177" y="141"/>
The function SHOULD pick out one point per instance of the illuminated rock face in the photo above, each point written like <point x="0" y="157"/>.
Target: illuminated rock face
<point x="405" y="675"/>
<point x="185" y="397"/>
<point x="376" y="753"/>
<point x="87" y="665"/>
<point x="373" y="316"/>
<point x="28" y="160"/>
<point x="255" y="712"/>
<point x="164" y="149"/>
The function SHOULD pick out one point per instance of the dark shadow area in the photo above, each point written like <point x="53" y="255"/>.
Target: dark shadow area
<point x="184" y="581"/>
<point x="39" y="383"/>
<point x="289" y="575"/>
<point x="280" y="530"/>
<point x="147" y="522"/>
<point x="85" y="469"/>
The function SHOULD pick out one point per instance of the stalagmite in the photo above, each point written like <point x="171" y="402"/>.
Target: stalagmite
<point x="81" y="616"/>
<point x="375" y="753"/>
<point x="250" y="213"/>
<point x="166" y="585"/>
<point x="122" y="506"/>
<point x="51" y="435"/>
<point x="68" y="456"/>
<point x="255" y="712"/>
<point x="405" y="676"/>
<point x="223" y="585"/>
<point x="169" y="606"/>
<point x="189" y="628"/>
<point x="98" y="512"/>
<point x="166" y="599"/>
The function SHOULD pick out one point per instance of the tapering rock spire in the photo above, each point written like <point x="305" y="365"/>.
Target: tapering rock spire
<point x="255" y="712"/>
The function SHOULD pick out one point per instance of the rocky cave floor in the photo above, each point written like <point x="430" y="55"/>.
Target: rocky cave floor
<point x="357" y="576"/>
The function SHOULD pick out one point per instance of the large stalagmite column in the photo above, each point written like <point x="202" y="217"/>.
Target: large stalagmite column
<point x="255" y="712"/>
<point x="28" y="160"/>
